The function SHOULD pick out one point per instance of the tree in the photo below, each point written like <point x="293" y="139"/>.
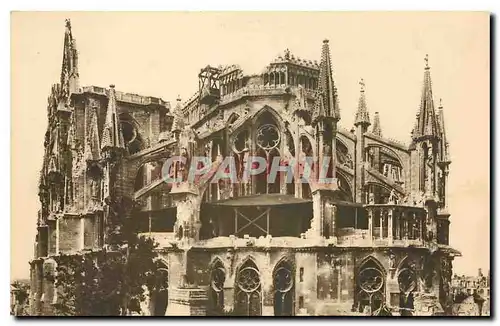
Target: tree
<point x="106" y="283"/>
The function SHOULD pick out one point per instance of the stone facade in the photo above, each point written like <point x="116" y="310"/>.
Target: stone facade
<point x="374" y="241"/>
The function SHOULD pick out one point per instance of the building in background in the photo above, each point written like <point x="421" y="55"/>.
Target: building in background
<point x="471" y="289"/>
<point x="375" y="241"/>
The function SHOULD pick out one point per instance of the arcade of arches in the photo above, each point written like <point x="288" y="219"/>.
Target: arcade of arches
<point x="254" y="289"/>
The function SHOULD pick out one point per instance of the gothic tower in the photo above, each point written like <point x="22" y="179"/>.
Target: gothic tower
<point x="425" y="141"/>
<point x="361" y="122"/>
<point x="326" y="114"/>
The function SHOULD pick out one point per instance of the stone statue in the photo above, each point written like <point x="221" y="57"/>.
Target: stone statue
<point x="94" y="189"/>
<point x="386" y="170"/>
<point x="393" y="198"/>
<point x="392" y="264"/>
<point x="371" y="198"/>
<point x="392" y="261"/>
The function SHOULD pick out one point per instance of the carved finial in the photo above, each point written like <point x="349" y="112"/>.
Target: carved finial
<point x="287" y="54"/>
<point x="325" y="41"/>
<point x="426" y="61"/>
<point x="377" y="129"/>
<point x="362" y="83"/>
<point x="440" y="103"/>
<point x="68" y="23"/>
<point x="179" y="98"/>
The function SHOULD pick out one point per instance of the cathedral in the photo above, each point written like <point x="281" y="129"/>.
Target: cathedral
<point x="373" y="241"/>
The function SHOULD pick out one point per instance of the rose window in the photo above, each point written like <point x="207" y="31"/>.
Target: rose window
<point x="372" y="280"/>
<point x="268" y="137"/>
<point x="283" y="280"/>
<point x="248" y="279"/>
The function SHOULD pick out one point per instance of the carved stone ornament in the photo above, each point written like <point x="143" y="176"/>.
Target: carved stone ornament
<point x="392" y="264"/>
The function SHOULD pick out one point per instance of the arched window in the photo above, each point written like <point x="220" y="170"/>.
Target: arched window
<point x="370" y="287"/>
<point x="217" y="279"/>
<point x="271" y="79"/>
<point x="345" y="189"/>
<point x="391" y="168"/>
<point x="268" y="141"/>
<point x="283" y="283"/>
<point x="289" y="155"/>
<point x="377" y="194"/>
<point x="424" y="175"/>
<point x="343" y="156"/>
<point x="407" y="281"/>
<point x="274" y="185"/>
<point x="131" y="135"/>
<point x="248" y="290"/>
<point x="304" y="165"/>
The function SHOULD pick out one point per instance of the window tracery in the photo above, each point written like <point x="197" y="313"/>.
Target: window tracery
<point x="217" y="279"/>
<point x="248" y="291"/>
<point x="370" y="287"/>
<point x="268" y="137"/>
<point x="283" y="290"/>
<point x="407" y="281"/>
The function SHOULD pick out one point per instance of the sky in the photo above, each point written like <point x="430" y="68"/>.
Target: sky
<point x="161" y="54"/>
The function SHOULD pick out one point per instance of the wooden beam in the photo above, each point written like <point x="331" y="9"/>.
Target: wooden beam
<point x="267" y="228"/>
<point x="251" y="221"/>
<point x="235" y="222"/>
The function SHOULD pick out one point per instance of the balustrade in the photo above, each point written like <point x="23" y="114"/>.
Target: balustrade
<point x="395" y="225"/>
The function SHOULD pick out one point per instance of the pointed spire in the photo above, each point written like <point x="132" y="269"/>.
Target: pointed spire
<point x="444" y="147"/>
<point x="362" y="115"/>
<point x="69" y="69"/>
<point x="376" y="129"/>
<point x="329" y="108"/>
<point x="92" y="152"/>
<point x="112" y="137"/>
<point x="426" y="125"/>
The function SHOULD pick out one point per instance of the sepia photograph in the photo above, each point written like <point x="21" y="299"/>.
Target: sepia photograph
<point x="250" y="164"/>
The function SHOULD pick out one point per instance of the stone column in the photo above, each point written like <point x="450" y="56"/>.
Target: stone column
<point x="334" y="149"/>
<point x="57" y="235"/>
<point x="370" y="223"/>
<point x="188" y="201"/>
<point x="396" y="219"/>
<point x="431" y="219"/>
<point x="186" y="299"/>
<point x="82" y="234"/>
<point x="418" y="221"/>
<point x="267" y="287"/>
<point x="316" y="229"/>
<point x="381" y="216"/>
<point x="333" y="222"/>
<point x="298" y="150"/>
<point x="321" y="151"/>
<point x="389" y="226"/>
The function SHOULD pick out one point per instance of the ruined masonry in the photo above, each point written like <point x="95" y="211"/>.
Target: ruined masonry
<point x="375" y="242"/>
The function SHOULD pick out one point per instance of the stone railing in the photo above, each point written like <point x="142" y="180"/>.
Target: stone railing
<point x="396" y="225"/>
<point x="127" y="97"/>
<point x="261" y="90"/>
